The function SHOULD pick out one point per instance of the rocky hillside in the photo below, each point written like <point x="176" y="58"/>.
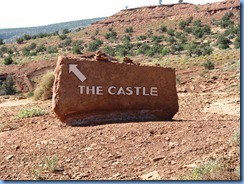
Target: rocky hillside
<point x="151" y="17"/>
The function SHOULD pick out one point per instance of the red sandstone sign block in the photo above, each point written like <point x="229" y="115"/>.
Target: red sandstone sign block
<point x="88" y="92"/>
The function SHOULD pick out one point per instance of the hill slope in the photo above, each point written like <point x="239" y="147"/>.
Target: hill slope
<point x="9" y="35"/>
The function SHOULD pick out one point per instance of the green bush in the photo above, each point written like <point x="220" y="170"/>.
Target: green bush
<point x="163" y="28"/>
<point x="41" y="48"/>
<point x="94" y="46"/>
<point x="27" y="37"/>
<point x="237" y="42"/>
<point x="27" y="113"/>
<point x="52" y="49"/>
<point x="129" y="30"/>
<point x="67" y="41"/>
<point x="32" y="46"/>
<point x="208" y="65"/>
<point x="20" y="40"/>
<point x="44" y="88"/>
<point x="141" y="38"/>
<point x="171" y="32"/>
<point x="62" y="37"/>
<point x="8" y="87"/>
<point x="223" y="42"/>
<point x="66" y="31"/>
<point x="111" y="35"/>
<point x="76" y="49"/>
<point x="8" y="60"/>
<point x="1" y="41"/>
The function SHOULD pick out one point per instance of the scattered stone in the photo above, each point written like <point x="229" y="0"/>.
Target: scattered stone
<point x="157" y="159"/>
<point x="151" y="176"/>
<point x="9" y="157"/>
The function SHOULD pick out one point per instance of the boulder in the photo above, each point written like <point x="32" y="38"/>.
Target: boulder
<point x="90" y="92"/>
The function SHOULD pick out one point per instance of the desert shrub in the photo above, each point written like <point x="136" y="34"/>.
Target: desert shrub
<point x="235" y="138"/>
<point x="1" y="41"/>
<point x="27" y="113"/>
<point x="126" y="39"/>
<point x="52" y="49"/>
<point x="111" y="35"/>
<point x="163" y="28"/>
<point x="20" y="40"/>
<point x="143" y="48"/>
<point x="27" y="37"/>
<point x="62" y="37"/>
<point x="171" y="39"/>
<point x="198" y="32"/>
<point x="123" y="50"/>
<point x="4" y="49"/>
<point x="164" y="51"/>
<point x="226" y="21"/>
<point x="51" y="163"/>
<point x="41" y="48"/>
<point x="93" y="46"/>
<point x="109" y="50"/>
<point x="176" y="48"/>
<point x="149" y="33"/>
<point x="212" y="170"/>
<point x="25" y="51"/>
<point x="129" y="30"/>
<point x="141" y="38"/>
<point x="181" y="37"/>
<point x="8" y="87"/>
<point x="197" y="23"/>
<point x="44" y="88"/>
<point x="182" y="24"/>
<point x="171" y="32"/>
<point x="76" y="49"/>
<point x="208" y="65"/>
<point x="8" y="60"/>
<point x="32" y="46"/>
<point x="237" y="42"/>
<point x="223" y="42"/>
<point x="198" y="50"/>
<point x="156" y="39"/>
<point x="67" y="41"/>
<point x="189" y="20"/>
<point x="66" y="31"/>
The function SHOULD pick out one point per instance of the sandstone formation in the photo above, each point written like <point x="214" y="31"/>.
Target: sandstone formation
<point x="89" y="92"/>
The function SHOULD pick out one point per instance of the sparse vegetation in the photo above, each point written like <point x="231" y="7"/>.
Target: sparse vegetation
<point x="208" y="65"/>
<point x="30" y="112"/>
<point x="7" y="87"/>
<point x="51" y="163"/>
<point x="44" y="89"/>
<point x="8" y="60"/>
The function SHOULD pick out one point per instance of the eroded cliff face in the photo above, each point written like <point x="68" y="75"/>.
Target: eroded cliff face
<point x="150" y="16"/>
<point x="92" y="92"/>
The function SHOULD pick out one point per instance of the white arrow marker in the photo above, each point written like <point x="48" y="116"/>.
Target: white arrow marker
<point x="73" y="68"/>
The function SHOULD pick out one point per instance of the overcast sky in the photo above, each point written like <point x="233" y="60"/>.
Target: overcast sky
<point x="28" y="13"/>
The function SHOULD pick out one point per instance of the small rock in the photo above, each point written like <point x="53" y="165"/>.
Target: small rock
<point x="157" y="159"/>
<point x="151" y="176"/>
<point x="9" y="157"/>
<point x="167" y="138"/>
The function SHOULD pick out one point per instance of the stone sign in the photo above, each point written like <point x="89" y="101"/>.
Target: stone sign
<point x="89" y="92"/>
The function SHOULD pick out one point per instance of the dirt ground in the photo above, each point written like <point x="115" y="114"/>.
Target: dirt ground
<point x="208" y="117"/>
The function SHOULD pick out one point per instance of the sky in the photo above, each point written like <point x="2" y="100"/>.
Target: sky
<point x="29" y="13"/>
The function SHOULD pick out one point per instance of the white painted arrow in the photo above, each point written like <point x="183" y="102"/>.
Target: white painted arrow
<point x="73" y="68"/>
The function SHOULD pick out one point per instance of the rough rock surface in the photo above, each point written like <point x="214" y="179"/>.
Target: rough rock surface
<point x="112" y="92"/>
